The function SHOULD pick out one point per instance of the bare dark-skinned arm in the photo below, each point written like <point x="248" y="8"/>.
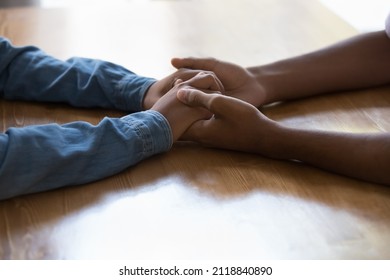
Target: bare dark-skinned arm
<point x="359" y="62"/>
<point x="361" y="156"/>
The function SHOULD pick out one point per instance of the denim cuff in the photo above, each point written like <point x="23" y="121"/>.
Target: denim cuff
<point x="154" y="131"/>
<point x="131" y="92"/>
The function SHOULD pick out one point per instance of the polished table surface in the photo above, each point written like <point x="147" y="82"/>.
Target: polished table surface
<point x="194" y="202"/>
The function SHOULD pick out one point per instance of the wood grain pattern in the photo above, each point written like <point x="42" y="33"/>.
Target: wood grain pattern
<point x="194" y="202"/>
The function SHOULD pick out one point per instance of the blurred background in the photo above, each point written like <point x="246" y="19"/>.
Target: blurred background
<point x="364" y="15"/>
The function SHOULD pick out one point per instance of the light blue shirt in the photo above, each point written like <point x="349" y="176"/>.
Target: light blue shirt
<point x="45" y="157"/>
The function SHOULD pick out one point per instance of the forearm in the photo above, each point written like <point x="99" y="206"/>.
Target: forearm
<point x="27" y="73"/>
<point x="362" y="156"/>
<point x="40" y="158"/>
<point x="359" y="62"/>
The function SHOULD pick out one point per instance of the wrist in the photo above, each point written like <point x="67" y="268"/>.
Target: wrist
<point x="271" y="139"/>
<point x="266" y="78"/>
<point x="150" y="97"/>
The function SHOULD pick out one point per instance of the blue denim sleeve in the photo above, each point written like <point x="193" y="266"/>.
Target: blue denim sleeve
<point x="45" y="157"/>
<point x="27" y="73"/>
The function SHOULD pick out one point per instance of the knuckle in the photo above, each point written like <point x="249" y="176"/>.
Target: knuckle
<point x="208" y="75"/>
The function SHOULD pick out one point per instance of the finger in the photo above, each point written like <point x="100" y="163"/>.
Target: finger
<point x="194" y="97"/>
<point x="197" y="131"/>
<point x="194" y="63"/>
<point x="177" y="81"/>
<point x="206" y="80"/>
<point x="221" y="106"/>
<point x="197" y="98"/>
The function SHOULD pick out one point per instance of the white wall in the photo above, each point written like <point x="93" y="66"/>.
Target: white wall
<point x="364" y="15"/>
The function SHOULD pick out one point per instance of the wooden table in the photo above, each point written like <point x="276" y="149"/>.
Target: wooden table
<point x="193" y="202"/>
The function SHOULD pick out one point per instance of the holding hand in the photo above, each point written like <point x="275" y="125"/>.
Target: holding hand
<point x="236" y="125"/>
<point x="237" y="81"/>
<point x="159" y="88"/>
<point x="179" y="115"/>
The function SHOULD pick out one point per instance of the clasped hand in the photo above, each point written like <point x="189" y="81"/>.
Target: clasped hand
<point x="215" y="106"/>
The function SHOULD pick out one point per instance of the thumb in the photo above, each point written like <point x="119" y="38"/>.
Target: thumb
<point x="221" y="106"/>
<point x="179" y="63"/>
<point x="196" y="98"/>
<point x="207" y="64"/>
